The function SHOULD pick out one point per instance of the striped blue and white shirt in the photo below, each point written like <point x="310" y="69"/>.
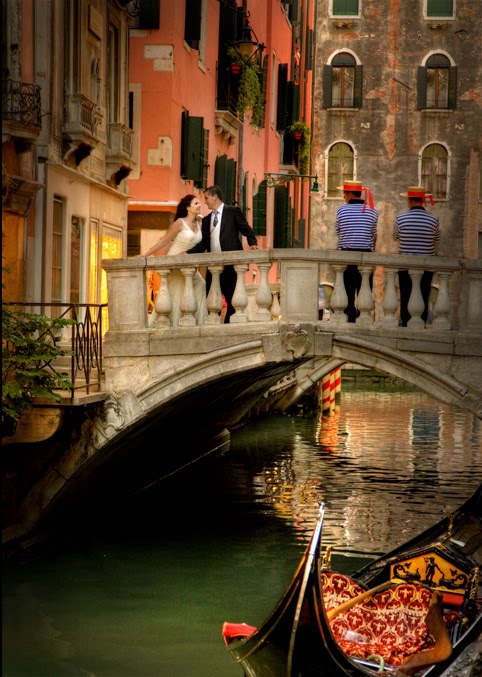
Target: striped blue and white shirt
<point x="418" y="231"/>
<point x="356" y="229"/>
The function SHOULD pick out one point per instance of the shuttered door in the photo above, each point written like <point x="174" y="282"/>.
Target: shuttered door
<point x="282" y="209"/>
<point x="259" y="209"/>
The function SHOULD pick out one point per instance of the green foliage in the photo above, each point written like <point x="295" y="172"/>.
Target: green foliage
<point x="250" y="96"/>
<point x="305" y="145"/>
<point x="28" y="348"/>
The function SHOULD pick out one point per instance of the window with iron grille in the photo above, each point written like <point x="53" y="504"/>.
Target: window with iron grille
<point x="340" y="167"/>
<point x="435" y="170"/>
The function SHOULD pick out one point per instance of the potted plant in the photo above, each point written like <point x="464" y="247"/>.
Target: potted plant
<point x="250" y="96"/>
<point x="302" y="134"/>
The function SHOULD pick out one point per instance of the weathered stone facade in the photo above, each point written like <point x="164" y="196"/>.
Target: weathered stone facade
<point x="387" y="126"/>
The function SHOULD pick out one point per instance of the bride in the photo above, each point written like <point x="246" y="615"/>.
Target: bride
<point x="183" y="234"/>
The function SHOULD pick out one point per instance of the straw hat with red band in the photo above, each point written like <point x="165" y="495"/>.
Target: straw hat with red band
<point x="358" y="187"/>
<point x="420" y="193"/>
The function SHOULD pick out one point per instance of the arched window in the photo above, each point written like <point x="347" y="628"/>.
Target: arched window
<point x="437" y="83"/>
<point x="340" y="167"/>
<point x="342" y="82"/>
<point x="435" y="170"/>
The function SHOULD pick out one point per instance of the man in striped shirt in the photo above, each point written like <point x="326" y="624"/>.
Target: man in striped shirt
<point x="418" y="231"/>
<point x="356" y="227"/>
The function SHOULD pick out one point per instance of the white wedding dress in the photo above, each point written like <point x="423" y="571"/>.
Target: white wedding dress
<point x="185" y="240"/>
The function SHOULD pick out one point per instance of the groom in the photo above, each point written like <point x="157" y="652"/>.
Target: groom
<point x="222" y="231"/>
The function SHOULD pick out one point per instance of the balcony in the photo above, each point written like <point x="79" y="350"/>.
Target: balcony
<point x="21" y="118"/>
<point x="80" y="129"/>
<point x="119" y="152"/>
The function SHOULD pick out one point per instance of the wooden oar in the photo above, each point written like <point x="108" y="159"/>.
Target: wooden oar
<point x="357" y="600"/>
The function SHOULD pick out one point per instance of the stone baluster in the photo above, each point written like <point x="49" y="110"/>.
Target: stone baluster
<point x="240" y="296"/>
<point x="339" y="299"/>
<point x="188" y="299"/>
<point x="275" y="306"/>
<point x="163" y="304"/>
<point x="365" y="297"/>
<point x="390" y="300"/>
<point x="263" y="294"/>
<point x="415" y="304"/>
<point x="214" y="300"/>
<point x="441" y="308"/>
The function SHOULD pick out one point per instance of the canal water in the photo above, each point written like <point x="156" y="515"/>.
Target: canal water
<point x="146" y="592"/>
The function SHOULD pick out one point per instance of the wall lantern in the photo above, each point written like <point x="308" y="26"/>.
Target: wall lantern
<point x="248" y="46"/>
<point x="273" y="180"/>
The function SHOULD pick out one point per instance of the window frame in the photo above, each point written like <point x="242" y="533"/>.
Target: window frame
<point x="327" y="161"/>
<point x="448" y="173"/>
<point x="451" y="82"/>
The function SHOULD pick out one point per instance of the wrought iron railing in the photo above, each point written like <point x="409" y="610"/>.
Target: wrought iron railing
<point x="85" y="340"/>
<point x="21" y="103"/>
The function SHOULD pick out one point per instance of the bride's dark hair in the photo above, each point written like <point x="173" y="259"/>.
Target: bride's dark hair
<point x="181" y="210"/>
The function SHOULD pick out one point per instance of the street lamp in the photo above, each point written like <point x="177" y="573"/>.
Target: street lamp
<point x="273" y="180"/>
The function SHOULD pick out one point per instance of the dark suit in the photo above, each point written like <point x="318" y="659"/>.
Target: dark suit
<point x="233" y="226"/>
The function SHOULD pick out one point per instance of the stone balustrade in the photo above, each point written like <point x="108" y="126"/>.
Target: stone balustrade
<point x="287" y="284"/>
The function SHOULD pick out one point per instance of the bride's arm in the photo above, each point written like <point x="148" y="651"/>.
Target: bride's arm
<point x="171" y="233"/>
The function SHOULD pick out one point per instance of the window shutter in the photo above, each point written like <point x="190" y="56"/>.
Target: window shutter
<point x="220" y="171"/>
<point x="292" y="102"/>
<point x="345" y="7"/>
<point x="192" y="148"/>
<point x="149" y="15"/>
<point x="358" y="87"/>
<point x="327" y="86"/>
<point x="192" y="23"/>
<point x="281" y="217"/>
<point x="422" y="88"/>
<point x="452" y="94"/>
<point x="309" y="50"/>
<point x="259" y="209"/>
<point x="229" y="184"/>
<point x="264" y="86"/>
<point x="282" y="97"/>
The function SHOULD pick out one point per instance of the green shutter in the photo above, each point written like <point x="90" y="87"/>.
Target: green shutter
<point x="422" y="88"/>
<point x="327" y="86"/>
<point x="264" y="85"/>
<point x="192" y="23"/>
<point x="452" y="93"/>
<point x="229" y="182"/>
<point x="440" y="8"/>
<point x="345" y="7"/>
<point x="309" y="50"/>
<point x="358" y="87"/>
<point x="192" y="148"/>
<point x="220" y="171"/>
<point x="149" y="15"/>
<point x="281" y="217"/>
<point x="282" y="97"/>
<point x="260" y="209"/>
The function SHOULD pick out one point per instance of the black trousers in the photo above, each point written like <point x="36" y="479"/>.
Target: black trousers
<point x="227" y="280"/>
<point x="405" y="283"/>
<point x="352" y="279"/>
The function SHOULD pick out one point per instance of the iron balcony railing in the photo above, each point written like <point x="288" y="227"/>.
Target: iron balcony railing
<point x="82" y="341"/>
<point x="21" y="103"/>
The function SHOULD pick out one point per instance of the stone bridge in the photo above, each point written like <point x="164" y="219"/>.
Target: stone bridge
<point x="274" y="350"/>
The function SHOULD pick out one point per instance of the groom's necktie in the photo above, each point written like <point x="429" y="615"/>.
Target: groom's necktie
<point x="215" y="222"/>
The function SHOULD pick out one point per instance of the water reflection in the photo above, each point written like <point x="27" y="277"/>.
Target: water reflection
<point x="146" y="593"/>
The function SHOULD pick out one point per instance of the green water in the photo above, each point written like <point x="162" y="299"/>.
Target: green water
<point x="145" y="591"/>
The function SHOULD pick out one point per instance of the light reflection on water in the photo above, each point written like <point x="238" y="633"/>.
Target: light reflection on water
<point x="147" y="593"/>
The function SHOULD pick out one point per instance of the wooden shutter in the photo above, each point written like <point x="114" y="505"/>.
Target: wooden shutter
<point x="358" y="87"/>
<point x="192" y="23"/>
<point x="422" y="88"/>
<point x="327" y="86"/>
<point x="264" y="86"/>
<point x="282" y="97"/>
<point x="260" y="209"/>
<point x="192" y="148"/>
<point x="309" y="50"/>
<point x="220" y="170"/>
<point x="281" y="217"/>
<point x="229" y="184"/>
<point x="345" y="7"/>
<point x="149" y="15"/>
<point x="452" y="93"/>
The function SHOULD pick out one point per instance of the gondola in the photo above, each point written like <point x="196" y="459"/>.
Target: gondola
<point x="416" y="610"/>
